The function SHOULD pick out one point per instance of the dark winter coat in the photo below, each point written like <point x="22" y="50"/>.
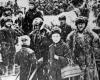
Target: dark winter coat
<point x="61" y="50"/>
<point x="27" y="61"/>
<point x="8" y="40"/>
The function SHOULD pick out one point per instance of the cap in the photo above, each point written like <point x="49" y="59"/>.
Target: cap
<point x="7" y="9"/>
<point x="62" y="17"/>
<point x="20" y="12"/>
<point x="8" y="20"/>
<point x="56" y="29"/>
<point x="43" y="30"/>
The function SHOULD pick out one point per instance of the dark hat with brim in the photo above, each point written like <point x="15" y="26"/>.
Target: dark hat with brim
<point x="81" y="19"/>
<point x="7" y="9"/>
<point x="62" y="17"/>
<point x="56" y="29"/>
<point x="43" y="30"/>
<point x="8" y="20"/>
<point x="20" y="12"/>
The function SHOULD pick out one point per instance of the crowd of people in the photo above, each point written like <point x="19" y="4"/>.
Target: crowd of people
<point x="41" y="54"/>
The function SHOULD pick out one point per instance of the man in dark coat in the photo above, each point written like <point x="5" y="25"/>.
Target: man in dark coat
<point x="40" y="44"/>
<point x="36" y="37"/>
<point x="26" y="59"/>
<point x="8" y="40"/>
<point x="30" y="15"/>
<point x="66" y="29"/>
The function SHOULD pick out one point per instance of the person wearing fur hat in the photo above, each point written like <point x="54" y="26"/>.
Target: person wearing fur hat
<point x="8" y="38"/>
<point x="36" y="36"/>
<point x="25" y="58"/>
<point x="58" y="54"/>
<point x="82" y="44"/>
<point x="6" y="14"/>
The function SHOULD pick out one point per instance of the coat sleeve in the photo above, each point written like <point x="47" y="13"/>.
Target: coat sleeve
<point x="17" y="58"/>
<point x="66" y="52"/>
<point x="51" y="52"/>
<point x="70" y="41"/>
<point x="32" y="57"/>
<point x="95" y="39"/>
<point x="1" y="36"/>
<point x="25" y="22"/>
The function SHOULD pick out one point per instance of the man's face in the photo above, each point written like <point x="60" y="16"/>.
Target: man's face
<point x="31" y="6"/>
<point x="81" y="26"/>
<point x="8" y="24"/>
<point x="56" y="37"/>
<point x="36" y="27"/>
<point x="62" y="22"/>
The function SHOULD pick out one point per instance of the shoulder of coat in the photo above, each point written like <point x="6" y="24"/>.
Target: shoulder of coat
<point x="29" y="50"/>
<point x="70" y="34"/>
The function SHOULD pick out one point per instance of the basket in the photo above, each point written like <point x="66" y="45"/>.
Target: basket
<point x="70" y="71"/>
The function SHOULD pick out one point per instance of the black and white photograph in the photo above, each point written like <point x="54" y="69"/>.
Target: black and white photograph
<point x="49" y="40"/>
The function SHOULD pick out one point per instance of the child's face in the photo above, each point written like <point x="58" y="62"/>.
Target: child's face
<point x="26" y="42"/>
<point x="56" y="37"/>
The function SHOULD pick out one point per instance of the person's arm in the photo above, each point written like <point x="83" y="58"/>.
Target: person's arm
<point x="69" y="40"/>
<point x="70" y="45"/>
<point x="95" y="39"/>
<point x="2" y="22"/>
<point x="18" y="57"/>
<point x="32" y="57"/>
<point x="1" y="36"/>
